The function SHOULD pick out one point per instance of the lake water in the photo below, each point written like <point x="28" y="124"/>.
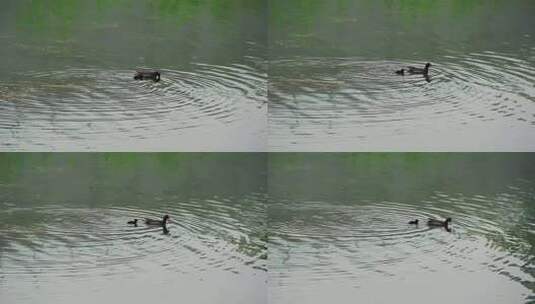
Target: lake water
<point x="339" y="232"/>
<point x="64" y="236"/>
<point x="267" y="228"/>
<point x="66" y="81"/>
<point x="332" y="85"/>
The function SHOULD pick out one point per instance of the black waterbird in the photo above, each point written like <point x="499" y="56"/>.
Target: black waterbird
<point x="147" y="75"/>
<point x="424" y="71"/>
<point x="152" y="222"/>
<point x="434" y="223"/>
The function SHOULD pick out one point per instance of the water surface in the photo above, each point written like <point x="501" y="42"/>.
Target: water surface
<point x="338" y="228"/>
<point x="67" y="81"/>
<point x="332" y="85"/>
<point x="64" y="237"/>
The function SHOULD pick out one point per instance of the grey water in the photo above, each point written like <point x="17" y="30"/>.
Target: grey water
<point x="66" y="78"/>
<point x="64" y="236"/>
<point x="332" y="85"/>
<point x="339" y="232"/>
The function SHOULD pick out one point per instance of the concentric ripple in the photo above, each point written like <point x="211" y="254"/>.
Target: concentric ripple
<point x="350" y="102"/>
<point x="92" y="108"/>
<point x="83" y="243"/>
<point x="354" y="250"/>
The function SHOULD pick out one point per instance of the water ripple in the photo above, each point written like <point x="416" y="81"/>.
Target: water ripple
<point x="326" y="99"/>
<point x="319" y="243"/>
<point x="75" y="105"/>
<point x="82" y="243"/>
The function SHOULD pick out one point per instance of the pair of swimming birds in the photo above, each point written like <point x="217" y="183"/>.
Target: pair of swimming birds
<point x="152" y="222"/>
<point x="415" y="71"/>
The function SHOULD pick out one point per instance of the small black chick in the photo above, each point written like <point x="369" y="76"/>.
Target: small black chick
<point x="400" y="72"/>
<point x="134" y="222"/>
<point x="415" y="222"/>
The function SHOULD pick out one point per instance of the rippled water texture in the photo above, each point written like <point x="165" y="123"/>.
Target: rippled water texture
<point x="332" y="85"/>
<point x="74" y="245"/>
<point x="68" y="83"/>
<point x="89" y="108"/>
<point x="349" y="239"/>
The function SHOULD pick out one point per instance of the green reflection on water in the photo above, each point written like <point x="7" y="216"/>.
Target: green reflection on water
<point x="397" y="29"/>
<point x="60" y="15"/>
<point x="372" y="173"/>
<point x="102" y="179"/>
<point x="158" y="33"/>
